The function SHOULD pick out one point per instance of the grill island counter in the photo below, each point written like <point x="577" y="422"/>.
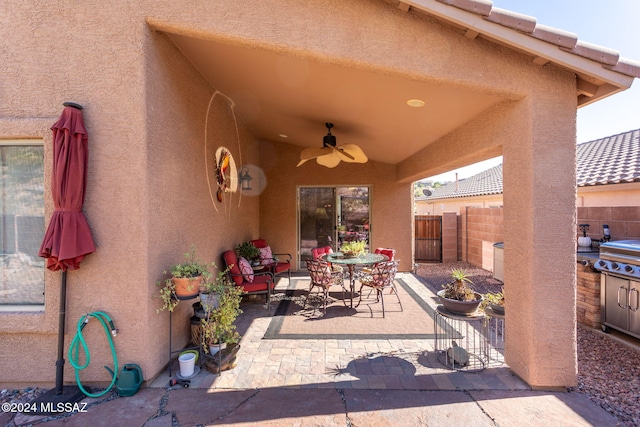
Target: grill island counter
<point x="620" y="286"/>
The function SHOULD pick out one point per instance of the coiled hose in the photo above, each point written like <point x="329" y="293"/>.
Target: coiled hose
<point x="78" y="340"/>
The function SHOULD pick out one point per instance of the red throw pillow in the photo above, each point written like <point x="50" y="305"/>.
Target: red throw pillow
<point x="245" y="268"/>
<point x="266" y="256"/>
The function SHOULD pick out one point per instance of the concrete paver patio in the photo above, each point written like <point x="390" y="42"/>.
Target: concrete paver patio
<point x="337" y="382"/>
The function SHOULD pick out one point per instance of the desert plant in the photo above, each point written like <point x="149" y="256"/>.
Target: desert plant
<point x="492" y="299"/>
<point x="460" y="289"/>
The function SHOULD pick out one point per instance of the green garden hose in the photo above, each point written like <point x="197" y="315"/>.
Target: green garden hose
<point x="78" y="340"/>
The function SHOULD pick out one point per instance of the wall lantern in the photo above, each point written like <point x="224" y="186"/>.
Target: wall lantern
<point x="245" y="179"/>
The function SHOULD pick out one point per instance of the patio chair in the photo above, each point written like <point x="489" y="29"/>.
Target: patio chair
<point x="318" y="254"/>
<point x="253" y="283"/>
<point x="391" y="253"/>
<point x="323" y="277"/>
<point x="382" y="277"/>
<point x="270" y="259"/>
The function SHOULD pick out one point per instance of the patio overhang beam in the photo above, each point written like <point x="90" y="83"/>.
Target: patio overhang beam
<point x="594" y="80"/>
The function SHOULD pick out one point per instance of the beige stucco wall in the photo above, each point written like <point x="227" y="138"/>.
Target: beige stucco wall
<point x="627" y="194"/>
<point x="437" y="207"/>
<point x="390" y="201"/>
<point x="147" y="194"/>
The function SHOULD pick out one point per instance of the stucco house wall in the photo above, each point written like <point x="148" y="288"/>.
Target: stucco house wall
<point x="148" y="197"/>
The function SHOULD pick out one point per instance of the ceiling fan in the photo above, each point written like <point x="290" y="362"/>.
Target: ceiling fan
<point x="330" y="155"/>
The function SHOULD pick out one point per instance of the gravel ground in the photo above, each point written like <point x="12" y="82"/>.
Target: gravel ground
<point x="608" y="370"/>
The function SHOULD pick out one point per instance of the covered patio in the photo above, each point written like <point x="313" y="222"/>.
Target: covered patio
<point x="170" y="84"/>
<point x="329" y="355"/>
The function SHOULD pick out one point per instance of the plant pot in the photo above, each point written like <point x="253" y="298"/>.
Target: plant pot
<point x="498" y="309"/>
<point x="215" y="348"/>
<point x="209" y="301"/>
<point x="187" y="287"/>
<point x="464" y="308"/>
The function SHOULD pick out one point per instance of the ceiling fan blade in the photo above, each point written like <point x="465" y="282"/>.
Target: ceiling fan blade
<point x="313" y="152"/>
<point x="339" y="150"/>
<point x="355" y="153"/>
<point x="330" y="160"/>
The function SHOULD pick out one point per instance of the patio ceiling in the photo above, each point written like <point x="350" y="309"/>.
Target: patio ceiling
<point x="275" y="94"/>
<point x="286" y="97"/>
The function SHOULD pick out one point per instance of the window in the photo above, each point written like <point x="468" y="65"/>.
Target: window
<point x="21" y="222"/>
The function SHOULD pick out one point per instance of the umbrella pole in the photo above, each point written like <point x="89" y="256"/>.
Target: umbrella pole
<point x="48" y="403"/>
<point x="62" y="314"/>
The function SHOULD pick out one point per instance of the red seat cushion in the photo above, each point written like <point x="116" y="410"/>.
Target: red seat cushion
<point x="260" y="283"/>
<point x="231" y="259"/>
<point x="318" y="253"/>
<point x="391" y="253"/>
<point x="259" y="243"/>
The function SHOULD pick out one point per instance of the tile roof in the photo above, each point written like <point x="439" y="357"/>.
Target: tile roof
<point x="525" y="24"/>
<point x="482" y="184"/>
<point x="611" y="160"/>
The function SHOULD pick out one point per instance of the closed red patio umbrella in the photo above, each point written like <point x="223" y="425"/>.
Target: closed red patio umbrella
<point x="68" y="238"/>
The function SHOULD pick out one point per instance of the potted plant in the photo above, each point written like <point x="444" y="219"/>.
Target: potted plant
<point x="353" y="249"/>
<point x="457" y="296"/>
<point x="218" y="325"/>
<point x="494" y="301"/>
<point x="248" y="251"/>
<point x="185" y="282"/>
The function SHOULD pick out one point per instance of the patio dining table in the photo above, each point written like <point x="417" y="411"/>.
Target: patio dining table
<point x="351" y="263"/>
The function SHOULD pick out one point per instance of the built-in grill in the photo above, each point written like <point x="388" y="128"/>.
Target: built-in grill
<point x="619" y="264"/>
<point x="621" y="258"/>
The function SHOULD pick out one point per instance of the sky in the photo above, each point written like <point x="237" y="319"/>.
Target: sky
<point x="609" y="23"/>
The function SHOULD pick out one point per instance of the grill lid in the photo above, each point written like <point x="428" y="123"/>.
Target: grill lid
<point x="622" y="250"/>
<point x="621" y="257"/>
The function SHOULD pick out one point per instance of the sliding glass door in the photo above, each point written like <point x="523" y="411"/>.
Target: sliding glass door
<point x="329" y="216"/>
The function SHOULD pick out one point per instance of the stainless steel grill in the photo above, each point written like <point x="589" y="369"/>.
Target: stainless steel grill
<point x="619" y="263"/>
<point x="621" y="258"/>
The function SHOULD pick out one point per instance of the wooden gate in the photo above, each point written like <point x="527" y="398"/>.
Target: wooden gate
<point x="428" y="240"/>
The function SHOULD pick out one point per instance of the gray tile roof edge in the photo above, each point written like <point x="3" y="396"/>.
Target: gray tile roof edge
<point x="610" y="160"/>
<point x="526" y="24"/>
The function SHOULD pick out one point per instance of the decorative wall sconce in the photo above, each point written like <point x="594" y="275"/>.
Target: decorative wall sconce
<point x="245" y="179"/>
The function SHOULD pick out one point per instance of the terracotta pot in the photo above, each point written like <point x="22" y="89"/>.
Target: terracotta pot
<point x="464" y="308"/>
<point x="187" y="287"/>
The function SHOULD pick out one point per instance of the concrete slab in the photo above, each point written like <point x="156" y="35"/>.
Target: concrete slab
<point x="198" y="406"/>
<point x="375" y="408"/>
<point x="285" y="407"/>
<point x="537" y="408"/>
<point x="125" y="411"/>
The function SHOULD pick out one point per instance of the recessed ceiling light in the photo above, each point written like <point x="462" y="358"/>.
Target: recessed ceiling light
<point x="282" y="135"/>
<point x="415" y="103"/>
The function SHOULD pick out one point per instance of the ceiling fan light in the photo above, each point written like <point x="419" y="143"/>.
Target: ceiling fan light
<point x="329" y="155"/>
<point x="415" y="103"/>
<point x="329" y="140"/>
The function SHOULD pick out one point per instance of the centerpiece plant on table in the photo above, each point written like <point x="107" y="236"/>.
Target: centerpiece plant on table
<point x="353" y="249"/>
